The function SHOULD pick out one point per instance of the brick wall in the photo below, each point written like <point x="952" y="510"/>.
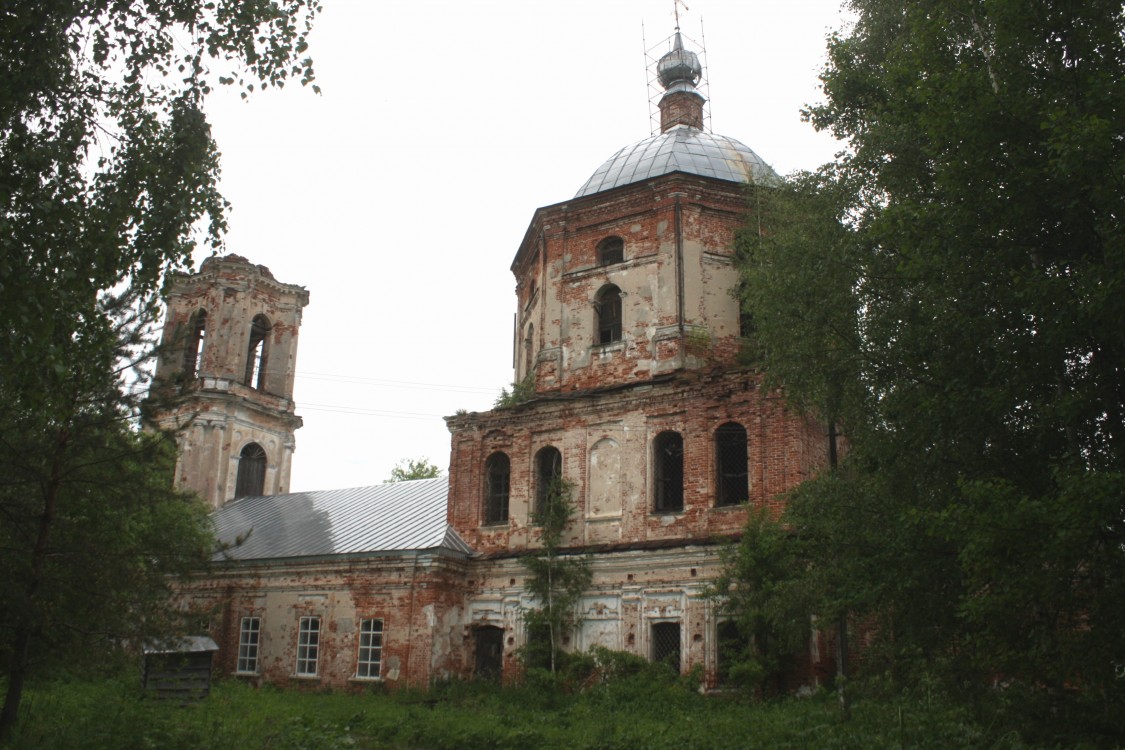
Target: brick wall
<point x="676" y="279"/>
<point x="606" y="440"/>
<point x="215" y="411"/>
<point x="232" y="291"/>
<point x="418" y="597"/>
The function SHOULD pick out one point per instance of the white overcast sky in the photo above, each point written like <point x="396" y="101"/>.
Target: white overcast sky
<point x="399" y="196"/>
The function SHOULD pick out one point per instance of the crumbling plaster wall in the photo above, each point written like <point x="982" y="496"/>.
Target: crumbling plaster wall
<point x="606" y="442"/>
<point x="419" y="597"/>
<point x="232" y="291"/>
<point x="212" y="431"/>
<point x="676" y="280"/>
<point x="215" y="413"/>
<point x="630" y="591"/>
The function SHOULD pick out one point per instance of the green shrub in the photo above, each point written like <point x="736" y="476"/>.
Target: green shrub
<point x="613" y="665"/>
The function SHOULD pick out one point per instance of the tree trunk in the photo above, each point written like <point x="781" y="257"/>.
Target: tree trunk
<point x="17" y="672"/>
<point x="842" y="623"/>
<point x="551" y="606"/>
<point x="21" y="646"/>
<point x="842" y="665"/>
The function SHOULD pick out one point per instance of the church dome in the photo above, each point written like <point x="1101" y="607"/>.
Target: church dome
<point x="679" y="65"/>
<point x="680" y="149"/>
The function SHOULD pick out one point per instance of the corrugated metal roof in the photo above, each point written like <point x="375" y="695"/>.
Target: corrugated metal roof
<point x="401" y="516"/>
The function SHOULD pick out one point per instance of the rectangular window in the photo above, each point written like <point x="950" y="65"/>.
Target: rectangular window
<point x="732" y="480"/>
<point x="496" y="488"/>
<point x="668" y="472"/>
<point x="308" y="646"/>
<point x="666" y="644"/>
<point x="249" y="636"/>
<point x="608" y="306"/>
<point x="370" y="662"/>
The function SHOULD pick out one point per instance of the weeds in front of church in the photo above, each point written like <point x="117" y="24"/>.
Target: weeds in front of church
<point x="653" y="709"/>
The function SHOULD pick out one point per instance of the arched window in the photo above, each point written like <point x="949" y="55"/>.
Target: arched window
<point x="608" y="307"/>
<point x="731" y="477"/>
<point x="611" y="250"/>
<point x="497" y="470"/>
<point x="251" y="479"/>
<point x="668" y="472"/>
<point x="193" y="346"/>
<point x="257" y="353"/>
<point x="548" y="471"/>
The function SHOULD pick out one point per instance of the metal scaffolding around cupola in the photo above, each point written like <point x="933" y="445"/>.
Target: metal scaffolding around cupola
<point x="670" y="61"/>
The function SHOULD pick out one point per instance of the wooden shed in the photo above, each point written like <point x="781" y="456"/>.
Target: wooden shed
<point x="178" y="668"/>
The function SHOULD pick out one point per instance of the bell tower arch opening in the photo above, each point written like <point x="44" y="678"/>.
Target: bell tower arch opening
<point x="193" y="346"/>
<point x="257" y="353"/>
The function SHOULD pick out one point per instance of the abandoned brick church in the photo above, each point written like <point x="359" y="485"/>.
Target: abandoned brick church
<point x="629" y="331"/>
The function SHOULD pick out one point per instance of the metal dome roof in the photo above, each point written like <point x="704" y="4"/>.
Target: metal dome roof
<point x="680" y="149"/>
<point x="679" y="65"/>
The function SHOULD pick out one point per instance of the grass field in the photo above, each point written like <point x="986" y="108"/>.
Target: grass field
<point x="635" y="713"/>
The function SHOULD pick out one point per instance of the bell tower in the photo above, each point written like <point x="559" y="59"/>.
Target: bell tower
<point x="228" y="359"/>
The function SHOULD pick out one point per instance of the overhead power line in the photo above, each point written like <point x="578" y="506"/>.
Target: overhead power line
<point x="340" y="378"/>
<point x="340" y="409"/>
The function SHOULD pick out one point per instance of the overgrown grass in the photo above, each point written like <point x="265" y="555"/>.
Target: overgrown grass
<point x="632" y="712"/>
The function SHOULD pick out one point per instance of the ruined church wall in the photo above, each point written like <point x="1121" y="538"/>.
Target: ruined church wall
<point x="630" y="593"/>
<point x="607" y="445"/>
<point x="675" y="279"/>
<point x="212" y="431"/>
<point x="202" y="388"/>
<point x="231" y="290"/>
<point x="418" y="599"/>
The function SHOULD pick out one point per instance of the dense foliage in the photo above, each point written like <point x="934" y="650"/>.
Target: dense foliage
<point x="108" y="179"/>
<point x="647" y="709"/>
<point x="522" y="392"/>
<point x="949" y="291"/>
<point x="410" y="468"/>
